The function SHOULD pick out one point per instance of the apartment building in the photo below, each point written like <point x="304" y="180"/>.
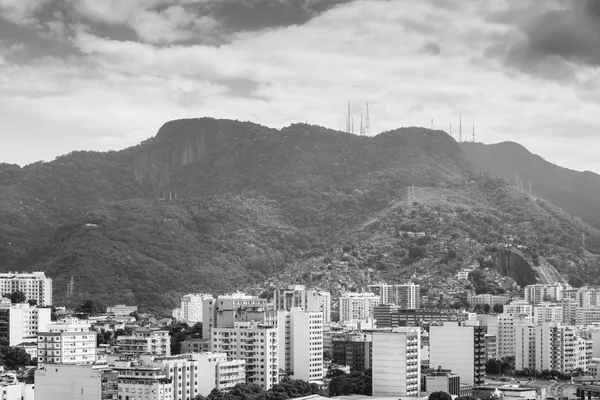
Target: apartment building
<point x="225" y="310"/>
<point x="539" y="293"/>
<point x="191" y="308"/>
<point x="460" y="349"/>
<point x="357" y="306"/>
<point x="483" y="299"/>
<point x="255" y="343"/>
<point x="301" y="344"/>
<point x="76" y="382"/>
<point x="145" y="341"/>
<point x="137" y="381"/>
<point x="547" y="312"/>
<point x="587" y="315"/>
<point x="121" y="310"/>
<point x="21" y="323"/>
<point x="35" y="286"/>
<point x="518" y="307"/>
<point x="392" y="316"/>
<point x="308" y="299"/>
<point x="354" y="350"/>
<point x="70" y="341"/>
<point x="406" y="296"/>
<point x="227" y="373"/>
<point x="396" y="362"/>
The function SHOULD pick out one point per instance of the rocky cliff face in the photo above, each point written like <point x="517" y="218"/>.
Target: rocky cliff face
<point x="178" y="143"/>
<point x="514" y="264"/>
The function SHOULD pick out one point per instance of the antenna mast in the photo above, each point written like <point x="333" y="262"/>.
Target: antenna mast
<point x="460" y="128"/>
<point x="348" y="127"/>
<point x="362" y="127"/>
<point x="368" y="123"/>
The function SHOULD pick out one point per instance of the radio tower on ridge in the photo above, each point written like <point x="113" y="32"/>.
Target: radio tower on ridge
<point x="368" y="123"/>
<point x="362" y="126"/>
<point x="460" y="128"/>
<point x="473" y="132"/>
<point x="348" y="121"/>
<point x="71" y="287"/>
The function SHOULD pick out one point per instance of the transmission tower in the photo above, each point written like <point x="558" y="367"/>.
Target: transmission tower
<point x="368" y="123"/>
<point x="348" y="122"/>
<point x="71" y="287"/>
<point x="473" y="132"/>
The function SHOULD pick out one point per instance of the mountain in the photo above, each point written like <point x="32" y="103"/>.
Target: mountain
<point x="214" y="205"/>
<point x="578" y="193"/>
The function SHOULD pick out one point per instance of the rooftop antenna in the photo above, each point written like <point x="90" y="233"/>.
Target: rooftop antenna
<point x="460" y="128"/>
<point x="348" y="127"/>
<point x="368" y="123"/>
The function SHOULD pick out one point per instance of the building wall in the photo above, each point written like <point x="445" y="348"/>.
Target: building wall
<point x="306" y="345"/>
<point x="35" y="285"/>
<point x="21" y="322"/>
<point x="68" y="382"/>
<point x="396" y="363"/>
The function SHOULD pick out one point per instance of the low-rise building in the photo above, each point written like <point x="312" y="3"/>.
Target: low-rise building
<point x="69" y="341"/>
<point x="145" y="341"/>
<point x="76" y="382"/>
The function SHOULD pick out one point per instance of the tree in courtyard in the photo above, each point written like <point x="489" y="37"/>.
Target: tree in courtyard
<point x="18" y="297"/>
<point x="439" y="396"/>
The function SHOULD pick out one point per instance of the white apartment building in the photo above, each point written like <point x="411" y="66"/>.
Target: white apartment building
<point x="35" y="285"/>
<point x="539" y="293"/>
<point x="396" y="362"/>
<point x="587" y="315"/>
<point x="569" y="310"/>
<point x="489" y="299"/>
<point x="518" y="307"/>
<point x="121" y="310"/>
<point x="525" y="346"/>
<point x="194" y="374"/>
<point x="557" y="347"/>
<point x="357" y="306"/>
<point x="225" y="310"/>
<point x="547" y="312"/>
<point x="75" y="382"/>
<point x="301" y="344"/>
<point x="506" y="332"/>
<point x="460" y="349"/>
<point x="145" y="341"/>
<point x="308" y="299"/>
<point x="227" y="373"/>
<point x="191" y="308"/>
<point x="255" y="343"/>
<point x="21" y="323"/>
<point x="137" y="382"/>
<point x="69" y="341"/>
<point x="406" y="295"/>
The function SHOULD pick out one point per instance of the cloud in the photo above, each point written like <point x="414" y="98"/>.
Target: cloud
<point x="557" y="42"/>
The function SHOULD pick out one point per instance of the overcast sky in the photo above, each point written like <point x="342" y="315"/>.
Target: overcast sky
<point x="106" y="74"/>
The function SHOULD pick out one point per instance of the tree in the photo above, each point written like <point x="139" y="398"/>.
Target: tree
<point x="91" y="307"/>
<point x="14" y="357"/>
<point x="498" y="308"/>
<point x="439" y="396"/>
<point x="18" y="297"/>
<point x="486" y="308"/>
<point x="32" y="302"/>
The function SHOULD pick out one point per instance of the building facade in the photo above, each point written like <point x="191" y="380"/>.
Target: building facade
<point x="21" y="323"/>
<point x="35" y="286"/>
<point x="69" y="341"/>
<point x="307" y="299"/>
<point x="396" y="362"/>
<point x="357" y="306"/>
<point x="145" y="341"/>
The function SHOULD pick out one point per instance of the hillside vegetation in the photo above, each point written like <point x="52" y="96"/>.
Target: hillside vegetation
<point x="213" y="205"/>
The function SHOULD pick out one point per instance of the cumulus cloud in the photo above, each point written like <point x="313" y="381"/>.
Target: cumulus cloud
<point x="556" y="42"/>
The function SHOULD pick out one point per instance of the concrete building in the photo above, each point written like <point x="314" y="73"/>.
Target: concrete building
<point x="587" y="315"/>
<point x="255" y="343"/>
<point x="301" y="344"/>
<point x="440" y="381"/>
<point x="76" y="382"/>
<point x="407" y="296"/>
<point x="197" y="374"/>
<point x="491" y="346"/>
<point x="35" y="286"/>
<point x="69" y="341"/>
<point x="392" y="316"/>
<point x="483" y="299"/>
<point x="506" y="332"/>
<point x="137" y="381"/>
<point x="519" y="307"/>
<point x="227" y="373"/>
<point x="539" y="293"/>
<point x="308" y="299"/>
<point x="191" y="308"/>
<point x="121" y="310"/>
<point x="396" y="362"/>
<point x="354" y="350"/>
<point x="357" y="306"/>
<point x="460" y="349"/>
<point x="525" y="346"/>
<point x="195" y="345"/>
<point x="145" y="341"/>
<point x="547" y="312"/>
<point x="21" y="323"/>
<point x="225" y="310"/>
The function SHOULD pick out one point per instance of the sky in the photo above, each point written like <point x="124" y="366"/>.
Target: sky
<point x="106" y="74"/>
